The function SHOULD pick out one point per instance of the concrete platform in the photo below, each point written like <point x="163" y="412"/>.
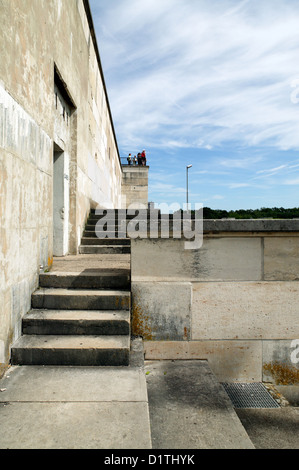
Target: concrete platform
<point x="159" y="405"/>
<point x="74" y="408"/>
<point x="189" y="409"/>
<point x="109" y="408"/>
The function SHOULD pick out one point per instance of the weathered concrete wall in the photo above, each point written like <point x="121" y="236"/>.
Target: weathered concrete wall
<point x="37" y="119"/>
<point x="233" y="302"/>
<point x="135" y="187"/>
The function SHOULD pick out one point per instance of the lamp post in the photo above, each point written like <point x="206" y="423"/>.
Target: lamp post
<point x="187" y="170"/>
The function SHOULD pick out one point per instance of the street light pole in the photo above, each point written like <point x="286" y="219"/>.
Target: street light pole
<point x="187" y="170"/>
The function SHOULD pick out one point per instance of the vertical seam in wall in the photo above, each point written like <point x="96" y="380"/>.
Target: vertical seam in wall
<point x="262" y="256"/>
<point x="191" y="313"/>
<point x="262" y="360"/>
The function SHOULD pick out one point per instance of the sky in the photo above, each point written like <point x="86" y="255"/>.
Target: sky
<point x="208" y="83"/>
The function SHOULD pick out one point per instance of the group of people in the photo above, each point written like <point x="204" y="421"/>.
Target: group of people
<point x="140" y="159"/>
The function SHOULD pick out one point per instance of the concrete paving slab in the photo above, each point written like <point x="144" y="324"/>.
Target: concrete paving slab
<point x="69" y="425"/>
<point x="79" y="263"/>
<point x="189" y="408"/>
<point x="74" y="408"/>
<point x="272" y="428"/>
<point x="52" y="383"/>
<point x="50" y="407"/>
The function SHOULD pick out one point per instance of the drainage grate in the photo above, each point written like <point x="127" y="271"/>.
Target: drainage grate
<point x="249" y="395"/>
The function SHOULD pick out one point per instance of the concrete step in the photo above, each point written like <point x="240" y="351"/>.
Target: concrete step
<point x="121" y="212"/>
<point x="105" y="241"/>
<point x="112" y="231"/>
<point x="94" y="227"/>
<point x="78" y="264"/>
<point x="76" y="322"/>
<point x="114" y="236"/>
<point x="111" y="213"/>
<point x="89" y="279"/>
<point x="105" y="249"/>
<point x="71" y="299"/>
<point x="154" y="232"/>
<point x="121" y="220"/>
<point x="71" y="350"/>
<point x="111" y="218"/>
<point x="91" y="232"/>
<point x="148" y="221"/>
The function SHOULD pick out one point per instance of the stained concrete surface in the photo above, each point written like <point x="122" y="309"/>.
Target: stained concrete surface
<point x="151" y="405"/>
<point x="68" y="425"/>
<point x="272" y="428"/>
<point x="197" y="415"/>
<point x="74" y="408"/>
<point x="189" y="408"/>
<point x="275" y="428"/>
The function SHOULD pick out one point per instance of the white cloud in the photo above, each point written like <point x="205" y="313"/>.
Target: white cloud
<point x="272" y="170"/>
<point x="165" y="188"/>
<point x="238" y="185"/>
<point x="200" y="74"/>
<point x="292" y="182"/>
<point x="286" y="168"/>
<point x="241" y="163"/>
<point x="207" y="83"/>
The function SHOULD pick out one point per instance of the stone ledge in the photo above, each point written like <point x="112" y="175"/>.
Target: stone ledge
<point x="251" y="225"/>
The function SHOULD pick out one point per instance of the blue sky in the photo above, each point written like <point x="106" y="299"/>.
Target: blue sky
<point x="211" y="83"/>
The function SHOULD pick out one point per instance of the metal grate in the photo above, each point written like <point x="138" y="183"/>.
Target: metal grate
<point x="249" y="395"/>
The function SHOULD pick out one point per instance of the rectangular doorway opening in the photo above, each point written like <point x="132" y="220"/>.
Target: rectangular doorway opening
<point x="60" y="203"/>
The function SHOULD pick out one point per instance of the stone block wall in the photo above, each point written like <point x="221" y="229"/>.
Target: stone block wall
<point x="53" y="99"/>
<point x="233" y="302"/>
<point x="135" y="187"/>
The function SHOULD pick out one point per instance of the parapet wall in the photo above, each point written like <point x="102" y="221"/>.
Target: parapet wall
<point x="233" y="302"/>
<point x="135" y="187"/>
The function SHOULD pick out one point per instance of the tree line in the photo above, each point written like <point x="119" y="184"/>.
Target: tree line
<point x="263" y="213"/>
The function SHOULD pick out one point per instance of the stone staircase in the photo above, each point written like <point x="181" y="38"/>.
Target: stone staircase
<point x="90" y="243"/>
<point x="80" y="318"/>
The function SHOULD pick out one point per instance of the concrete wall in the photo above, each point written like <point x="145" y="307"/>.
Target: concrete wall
<point x="52" y="99"/>
<point x="233" y="302"/>
<point x="135" y="187"/>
